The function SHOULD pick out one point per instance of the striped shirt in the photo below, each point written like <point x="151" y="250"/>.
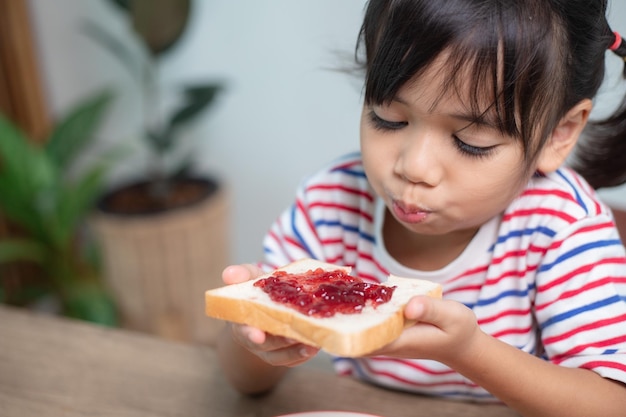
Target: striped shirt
<point x="548" y="276"/>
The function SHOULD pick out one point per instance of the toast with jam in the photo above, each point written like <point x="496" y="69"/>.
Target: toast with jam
<point x="321" y="305"/>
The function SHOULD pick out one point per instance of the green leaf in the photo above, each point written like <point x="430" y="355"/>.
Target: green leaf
<point x="89" y="301"/>
<point x="22" y="161"/>
<point x="14" y="146"/>
<point x="184" y="167"/>
<point x="79" y="199"/>
<point x="26" y="177"/>
<point x="16" y="207"/>
<point x="76" y="130"/>
<point x="197" y="98"/>
<point x="160" y="140"/>
<point x="123" y="5"/>
<point x="160" y="23"/>
<point x="13" y="250"/>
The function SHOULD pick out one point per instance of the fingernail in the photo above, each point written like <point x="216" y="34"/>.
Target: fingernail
<point x="415" y="311"/>
<point x="304" y="352"/>
<point x="250" y="335"/>
<point x="419" y="309"/>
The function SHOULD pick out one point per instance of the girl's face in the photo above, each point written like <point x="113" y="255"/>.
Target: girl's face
<point x="437" y="171"/>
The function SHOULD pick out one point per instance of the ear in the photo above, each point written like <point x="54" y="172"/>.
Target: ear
<point x="564" y="137"/>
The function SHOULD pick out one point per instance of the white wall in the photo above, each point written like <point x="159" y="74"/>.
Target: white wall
<point x="284" y="113"/>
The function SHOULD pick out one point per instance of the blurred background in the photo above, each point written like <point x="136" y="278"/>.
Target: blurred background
<point x="281" y="108"/>
<point x="283" y="112"/>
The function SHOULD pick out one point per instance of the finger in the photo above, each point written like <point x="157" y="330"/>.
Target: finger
<point x="256" y="339"/>
<point x="254" y="335"/>
<point x="443" y="314"/>
<point x="415" y="308"/>
<point x="234" y="274"/>
<point x="430" y="310"/>
<point x="290" y="356"/>
<point x="275" y="350"/>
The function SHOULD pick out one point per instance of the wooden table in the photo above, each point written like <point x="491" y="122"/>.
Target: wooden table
<point x="63" y="368"/>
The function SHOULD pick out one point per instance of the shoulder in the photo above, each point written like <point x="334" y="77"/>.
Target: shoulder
<point x="552" y="208"/>
<point x="331" y="219"/>
<point x="562" y="196"/>
<point x="343" y="178"/>
<point x="342" y="168"/>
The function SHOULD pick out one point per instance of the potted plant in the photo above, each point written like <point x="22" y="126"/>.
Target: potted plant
<point x="165" y="234"/>
<point x="41" y="193"/>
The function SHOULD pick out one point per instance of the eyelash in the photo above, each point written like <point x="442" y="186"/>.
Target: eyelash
<point x="466" y="149"/>
<point x="472" y="151"/>
<point x="385" y="125"/>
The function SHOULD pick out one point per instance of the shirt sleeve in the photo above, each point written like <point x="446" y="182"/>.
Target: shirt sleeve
<point x="292" y="236"/>
<point x="580" y="302"/>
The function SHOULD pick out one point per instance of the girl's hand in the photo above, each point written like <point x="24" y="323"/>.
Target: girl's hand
<point x="274" y="350"/>
<point x="443" y="331"/>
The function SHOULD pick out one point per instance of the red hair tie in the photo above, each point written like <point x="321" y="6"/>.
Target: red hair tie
<point x="616" y="44"/>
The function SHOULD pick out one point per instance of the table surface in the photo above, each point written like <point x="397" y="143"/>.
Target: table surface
<point x="52" y="366"/>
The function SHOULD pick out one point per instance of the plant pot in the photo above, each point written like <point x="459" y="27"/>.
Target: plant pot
<point x="159" y="262"/>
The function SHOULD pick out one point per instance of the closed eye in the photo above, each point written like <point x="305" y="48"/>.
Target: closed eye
<point x="383" y="124"/>
<point x="473" y="151"/>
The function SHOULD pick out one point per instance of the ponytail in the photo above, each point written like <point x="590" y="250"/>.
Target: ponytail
<point x="601" y="156"/>
<point x="619" y="48"/>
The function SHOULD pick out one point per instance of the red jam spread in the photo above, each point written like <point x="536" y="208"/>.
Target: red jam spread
<point x="322" y="293"/>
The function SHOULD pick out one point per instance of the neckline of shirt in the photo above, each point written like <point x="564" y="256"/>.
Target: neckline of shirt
<point x="478" y="247"/>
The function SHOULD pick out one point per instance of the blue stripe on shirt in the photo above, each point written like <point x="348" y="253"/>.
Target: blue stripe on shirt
<point x="583" y="309"/>
<point x="578" y="250"/>
<point x="574" y="189"/>
<point x="350" y="171"/>
<point x="525" y="232"/>
<point x="346" y="227"/>
<point x="363" y="375"/>
<point x="510" y="293"/>
<point x="294" y="227"/>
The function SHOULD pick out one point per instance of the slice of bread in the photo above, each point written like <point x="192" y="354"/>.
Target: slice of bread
<point x="348" y="335"/>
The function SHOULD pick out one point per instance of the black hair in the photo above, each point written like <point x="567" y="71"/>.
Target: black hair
<point x="533" y="59"/>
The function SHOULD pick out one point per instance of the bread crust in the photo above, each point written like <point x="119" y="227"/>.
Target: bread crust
<point x="227" y="303"/>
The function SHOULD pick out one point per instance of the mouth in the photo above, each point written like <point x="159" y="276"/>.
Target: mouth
<point x="409" y="213"/>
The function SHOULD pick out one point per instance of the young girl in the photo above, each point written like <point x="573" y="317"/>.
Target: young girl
<point x="471" y="108"/>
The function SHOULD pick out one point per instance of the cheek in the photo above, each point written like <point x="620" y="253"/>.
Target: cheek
<point x="493" y="185"/>
<point x="369" y="148"/>
<point x="378" y="145"/>
<point x="375" y="162"/>
<point x="366" y="133"/>
<point x="372" y="163"/>
<point x="497" y="178"/>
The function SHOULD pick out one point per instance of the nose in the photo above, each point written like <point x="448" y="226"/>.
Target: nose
<point x="420" y="158"/>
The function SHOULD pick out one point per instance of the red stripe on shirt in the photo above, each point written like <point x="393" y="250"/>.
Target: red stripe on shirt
<point x="342" y="207"/>
<point x="591" y="326"/>
<point x="546" y="192"/>
<point x="305" y="214"/>
<point x="338" y="187"/>
<point x="604" y="364"/>
<point x="597" y="344"/>
<point x="406" y="381"/>
<point x="579" y="271"/>
<point x="506" y="313"/>
<point x="415" y="365"/>
<point x="541" y="211"/>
